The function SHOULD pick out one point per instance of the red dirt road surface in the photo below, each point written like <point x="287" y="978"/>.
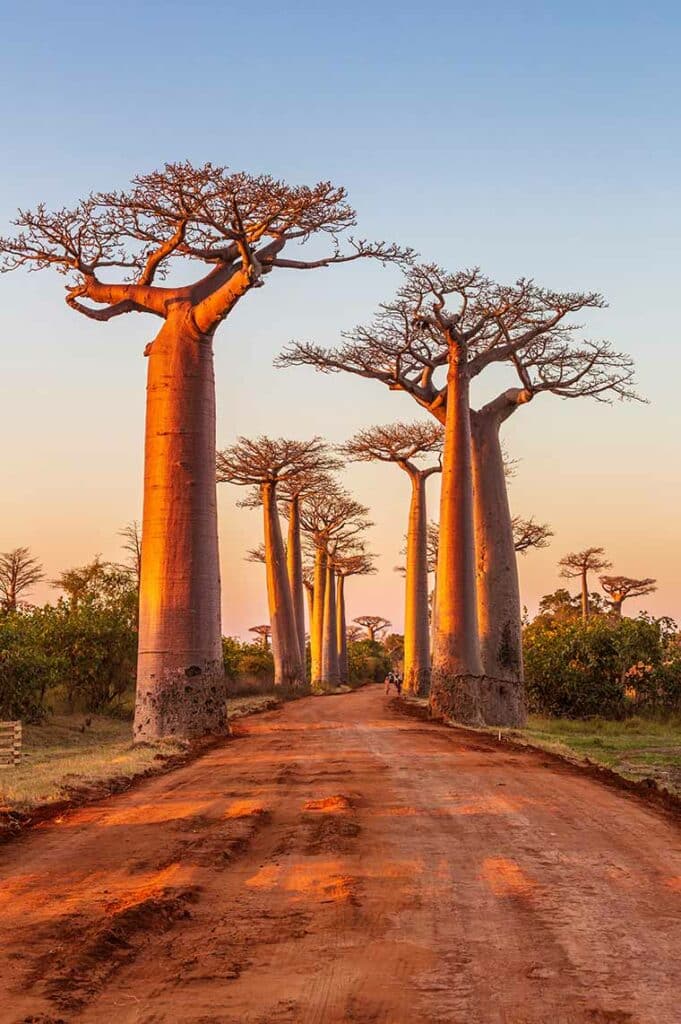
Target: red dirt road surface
<point x="338" y="861"/>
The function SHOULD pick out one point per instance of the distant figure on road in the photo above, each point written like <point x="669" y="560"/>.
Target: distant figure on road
<point x="393" y="679"/>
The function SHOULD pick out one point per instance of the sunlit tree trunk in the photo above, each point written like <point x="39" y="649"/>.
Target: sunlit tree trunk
<point x="342" y="632"/>
<point x="294" y="560"/>
<point x="585" y="596"/>
<point x="616" y="605"/>
<point x="457" y="667"/>
<point x="330" y="668"/>
<point x="309" y="593"/>
<point x="317" y="623"/>
<point x="180" y="676"/>
<point x="498" y="591"/>
<point x="416" y="631"/>
<point x="433" y="615"/>
<point x="288" y="668"/>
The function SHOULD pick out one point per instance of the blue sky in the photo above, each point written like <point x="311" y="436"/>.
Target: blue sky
<point x="537" y="139"/>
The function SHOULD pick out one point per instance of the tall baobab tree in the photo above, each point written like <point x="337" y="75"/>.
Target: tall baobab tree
<point x="578" y="565"/>
<point x="19" y="572"/>
<point x="406" y="445"/>
<point x="374" y="624"/>
<point x="264" y="632"/>
<point x="265" y="463"/>
<point x="291" y="494"/>
<point x="440" y="332"/>
<point x="116" y="248"/>
<point x="346" y="565"/>
<point x="621" y="588"/>
<point x="331" y="518"/>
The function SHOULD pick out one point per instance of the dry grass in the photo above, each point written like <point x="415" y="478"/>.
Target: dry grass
<point x="64" y="753"/>
<point x="635" y="747"/>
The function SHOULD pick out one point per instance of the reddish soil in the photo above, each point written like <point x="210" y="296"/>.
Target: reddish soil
<point x="340" y="862"/>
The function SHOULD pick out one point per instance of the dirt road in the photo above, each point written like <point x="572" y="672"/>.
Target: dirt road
<point x="340" y="862"/>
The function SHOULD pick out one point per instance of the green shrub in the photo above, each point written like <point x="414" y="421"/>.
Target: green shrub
<point x="605" y="666"/>
<point x="368" y="660"/>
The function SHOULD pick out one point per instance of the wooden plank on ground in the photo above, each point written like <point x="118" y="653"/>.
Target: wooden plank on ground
<point x="10" y="743"/>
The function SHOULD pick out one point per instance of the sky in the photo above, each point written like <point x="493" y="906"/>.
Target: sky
<point x="532" y="139"/>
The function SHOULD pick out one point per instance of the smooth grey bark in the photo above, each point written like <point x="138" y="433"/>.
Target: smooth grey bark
<point x="342" y="632"/>
<point x="498" y="590"/>
<point x="288" y="667"/>
<point x="294" y="562"/>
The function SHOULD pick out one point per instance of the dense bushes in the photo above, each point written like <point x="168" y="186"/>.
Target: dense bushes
<point x="246" y="662"/>
<point x="79" y="653"/>
<point x="368" y="661"/>
<point x="605" y="666"/>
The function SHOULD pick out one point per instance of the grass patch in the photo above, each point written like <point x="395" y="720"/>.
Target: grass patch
<point x="77" y="751"/>
<point x="65" y="753"/>
<point x="635" y="747"/>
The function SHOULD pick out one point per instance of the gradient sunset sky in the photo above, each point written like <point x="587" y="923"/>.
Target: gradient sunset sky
<point x="537" y="139"/>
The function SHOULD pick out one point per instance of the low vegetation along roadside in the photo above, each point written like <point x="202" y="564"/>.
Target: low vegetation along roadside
<point x="79" y="755"/>
<point x="637" y="748"/>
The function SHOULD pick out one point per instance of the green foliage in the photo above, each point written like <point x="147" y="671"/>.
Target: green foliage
<point x="368" y="660"/>
<point x="569" y="606"/>
<point x="80" y="653"/>
<point x="27" y="667"/>
<point x="606" y="666"/>
<point x="246" y="659"/>
<point x="394" y="646"/>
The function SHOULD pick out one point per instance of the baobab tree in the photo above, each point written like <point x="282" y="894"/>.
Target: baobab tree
<point x="115" y="249"/>
<point x="406" y="445"/>
<point x="358" y="564"/>
<point x="374" y="624"/>
<point x="440" y="332"/>
<point x="332" y="519"/>
<point x="264" y="632"/>
<point x="264" y="462"/>
<point x="528" y="534"/>
<point x="354" y="633"/>
<point x="19" y="572"/>
<point x="578" y="565"/>
<point x="291" y="493"/>
<point x="620" y="588"/>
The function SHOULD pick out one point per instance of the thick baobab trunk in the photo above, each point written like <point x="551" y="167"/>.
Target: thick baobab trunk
<point x="317" y="621"/>
<point x="416" y="631"/>
<point x="585" y="597"/>
<point x="330" y="669"/>
<point x="180" y="675"/>
<point x="433" y="616"/>
<point x="288" y="670"/>
<point x="616" y="604"/>
<point x="294" y="561"/>
<point x="456" y="681"/>
<point x="342" y="632"/>
<point x="498" y="591"/>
